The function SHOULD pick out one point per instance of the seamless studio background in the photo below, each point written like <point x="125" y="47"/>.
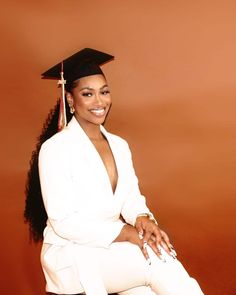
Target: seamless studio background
<point x="173" y="86"/>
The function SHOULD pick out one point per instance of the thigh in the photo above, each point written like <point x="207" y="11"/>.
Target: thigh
<point x="123" y="267"/>
<point x="170" y="277"/>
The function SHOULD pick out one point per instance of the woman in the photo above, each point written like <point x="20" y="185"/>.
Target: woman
<point x="100" y="237"/>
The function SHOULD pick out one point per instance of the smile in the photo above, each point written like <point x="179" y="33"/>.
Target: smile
<point x="98" y="112"/>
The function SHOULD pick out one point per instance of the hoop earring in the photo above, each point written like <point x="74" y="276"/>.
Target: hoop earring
<point x="72" y="110"/>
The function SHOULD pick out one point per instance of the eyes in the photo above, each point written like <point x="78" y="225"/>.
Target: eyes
<point x="105" y="92"/>
<point x="91" y="93"/>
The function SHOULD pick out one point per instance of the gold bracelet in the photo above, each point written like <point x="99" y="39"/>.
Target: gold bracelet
<point x="149" y="215"/>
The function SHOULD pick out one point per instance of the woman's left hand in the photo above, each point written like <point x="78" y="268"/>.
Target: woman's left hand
<point x="152" y="235"/>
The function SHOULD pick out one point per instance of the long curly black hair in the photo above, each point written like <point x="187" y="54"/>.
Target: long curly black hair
<point x="35" y="214"/>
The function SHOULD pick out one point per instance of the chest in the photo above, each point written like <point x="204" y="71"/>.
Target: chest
<point x="105" y="153"/>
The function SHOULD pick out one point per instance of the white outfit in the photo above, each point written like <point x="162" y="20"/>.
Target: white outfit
<point x="78" y="253"/>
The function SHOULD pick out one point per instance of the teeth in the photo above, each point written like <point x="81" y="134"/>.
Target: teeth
<point x="98" y="111"/>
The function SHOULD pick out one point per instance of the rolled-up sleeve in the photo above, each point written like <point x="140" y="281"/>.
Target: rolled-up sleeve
<point x="135" y="202"/>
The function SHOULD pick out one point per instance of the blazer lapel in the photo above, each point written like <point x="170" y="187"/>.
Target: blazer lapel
<point x="116" y="154"/>
<point x="89" y="153"/>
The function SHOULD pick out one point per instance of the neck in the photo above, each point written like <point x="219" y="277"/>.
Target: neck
<point x="92" y="130"/>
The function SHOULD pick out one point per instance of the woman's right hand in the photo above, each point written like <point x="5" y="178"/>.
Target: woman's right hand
<point x="130" y="234"/>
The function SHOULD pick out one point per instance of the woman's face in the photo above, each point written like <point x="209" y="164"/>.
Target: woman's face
<point x="91" y="99"/>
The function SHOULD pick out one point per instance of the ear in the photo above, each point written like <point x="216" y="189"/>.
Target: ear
<point x="69" y="99"/>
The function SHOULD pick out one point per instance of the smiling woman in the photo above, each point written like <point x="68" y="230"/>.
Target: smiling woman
<point x="90" y="100"/>
<point x="98" y="235"/>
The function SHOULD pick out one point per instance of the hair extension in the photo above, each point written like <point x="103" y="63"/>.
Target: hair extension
<point x="35" y="214"/>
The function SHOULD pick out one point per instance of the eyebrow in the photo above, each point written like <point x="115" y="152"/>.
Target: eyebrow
<point x="89" y="88"/>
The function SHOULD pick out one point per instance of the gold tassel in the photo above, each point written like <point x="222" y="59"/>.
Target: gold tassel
<point x="62" y="121"/>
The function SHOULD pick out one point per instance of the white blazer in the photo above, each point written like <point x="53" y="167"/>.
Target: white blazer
<point x="81" y="206"/>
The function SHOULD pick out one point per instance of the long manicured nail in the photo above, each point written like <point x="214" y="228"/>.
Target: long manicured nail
<point x="162" y="258"/>
<point x="148" y="258"/>
<point x="173" y="252"/>
<point x="172" y="255"/>
<point x="159" y="248"/>
<point x="140" y="235"/>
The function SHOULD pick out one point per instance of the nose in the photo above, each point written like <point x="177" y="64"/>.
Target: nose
<point x="98" y="98"/>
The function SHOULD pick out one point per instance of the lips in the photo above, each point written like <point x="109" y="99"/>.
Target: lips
<point x="98" y="112"/>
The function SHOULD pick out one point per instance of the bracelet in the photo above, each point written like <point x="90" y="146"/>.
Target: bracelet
<point x="149" y="215"/>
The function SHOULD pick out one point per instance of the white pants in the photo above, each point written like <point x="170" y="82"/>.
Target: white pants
<point x="124" y="270"/>
<point x="120" y="269"/>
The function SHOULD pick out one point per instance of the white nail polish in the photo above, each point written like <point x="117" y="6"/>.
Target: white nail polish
<point x="140" y="236"/>
<point x="162" y="258"/>
<point x="145" y="245"/>
<point x="173" y="252"/>
<point x="159" y="248"/>
<point x="173" y="256"/>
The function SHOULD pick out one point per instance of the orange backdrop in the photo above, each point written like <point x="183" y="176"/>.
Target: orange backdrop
<point x="173" y="84"/>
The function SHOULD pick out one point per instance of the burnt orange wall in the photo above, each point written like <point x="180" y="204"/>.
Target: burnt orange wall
<point x="174" y="87"/>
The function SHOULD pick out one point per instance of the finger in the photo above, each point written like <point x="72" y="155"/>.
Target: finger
<point x="173" y="252"/>
<point x="165" y="242"/>
<point x="165" y="247"/>
<point x="139" y="228"/>
<point x="166" y="239"/>
<point x="145" y="253"/>
<point x="169" y="245"/>
<point x="157" y="245"/>
<point x="140" y="232"/>
<point x="152" y="238"/>
<point x="172" y="247"/>
<point x="157" y="250"/>
<point x="158" y="237"/>
<point x="154" y="247"/>
<point x="147" y="236"/>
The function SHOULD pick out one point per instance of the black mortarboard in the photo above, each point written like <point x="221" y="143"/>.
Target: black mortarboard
<point x="84" y="63"/>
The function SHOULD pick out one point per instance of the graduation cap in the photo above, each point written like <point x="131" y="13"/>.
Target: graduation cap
<point x="84" y="63"/>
